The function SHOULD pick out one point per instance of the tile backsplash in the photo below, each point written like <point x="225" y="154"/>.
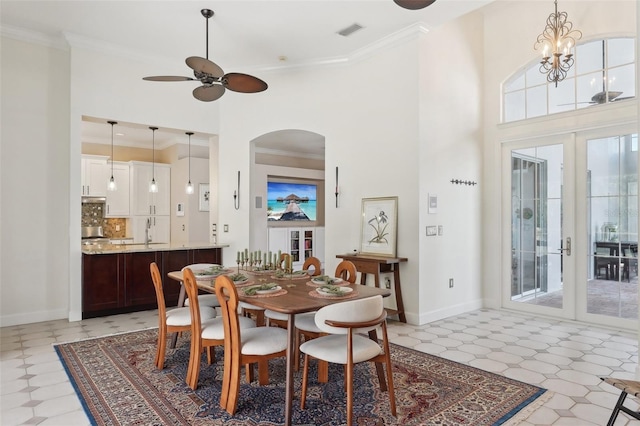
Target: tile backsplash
<point x="93" y="215"/>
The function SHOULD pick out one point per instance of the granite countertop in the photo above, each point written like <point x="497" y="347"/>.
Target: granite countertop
<point x="132" y="248"/>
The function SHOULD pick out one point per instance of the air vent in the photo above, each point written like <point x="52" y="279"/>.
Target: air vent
<point x="350" y="30"/>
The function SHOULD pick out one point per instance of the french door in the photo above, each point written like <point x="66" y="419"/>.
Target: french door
<point x="572" y="217"/>
<point x="540" y="260"/>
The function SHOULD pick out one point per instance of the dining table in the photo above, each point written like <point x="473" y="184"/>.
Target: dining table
<point x="298" y="295"/>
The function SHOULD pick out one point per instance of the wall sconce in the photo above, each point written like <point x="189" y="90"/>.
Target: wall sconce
<point x="236" y="194"/>
<point x="337" y="187"/>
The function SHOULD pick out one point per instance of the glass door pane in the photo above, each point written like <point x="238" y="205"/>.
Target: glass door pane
<point x="536" y="226"/>
<point x="612" y="232"/>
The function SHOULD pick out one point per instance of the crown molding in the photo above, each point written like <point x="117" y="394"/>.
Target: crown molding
<point x="34" y="37"/>
<point x="282" y="153"/>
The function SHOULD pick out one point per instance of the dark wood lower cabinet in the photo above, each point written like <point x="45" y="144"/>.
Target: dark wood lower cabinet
<point x="121" y="282"/>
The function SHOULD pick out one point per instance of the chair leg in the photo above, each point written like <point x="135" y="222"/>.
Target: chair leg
<point x="226" y="378"/>
<point x="305" y="378"/>
<point x="616" y="409"/>
<point x="349" y="394"/>
<point x="392" y="395"/>
<point x="193" y="371"/>
<point x="234" y="388"/>
<point x="162" y="347"/>
<point x="211" y="354"/>
<point x="263" y="372"/>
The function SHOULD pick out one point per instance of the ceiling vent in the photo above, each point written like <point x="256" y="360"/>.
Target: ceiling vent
<point x="350" y="30"/>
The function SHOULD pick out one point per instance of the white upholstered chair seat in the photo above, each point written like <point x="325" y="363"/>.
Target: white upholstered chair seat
<point x="245" y="305"/>
<point x="205" y="300"/>
<point x="214" y="328"/>
<point x="307" y="322"/>
<point x="333" y="348"/>
<point x="182" y="316"/>
<point x="268" y="313"/>
<point x="263" y="340"/>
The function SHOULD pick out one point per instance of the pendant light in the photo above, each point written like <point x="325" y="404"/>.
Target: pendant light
<point x="112" y="182"/>
<point x="189" y="187"/>
<point x="153" y="186"/>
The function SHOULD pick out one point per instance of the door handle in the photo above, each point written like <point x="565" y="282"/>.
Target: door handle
<point x="567" y="250"/>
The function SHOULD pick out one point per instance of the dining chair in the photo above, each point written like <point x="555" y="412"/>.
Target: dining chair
<point x="603" y="261"/>
<point x="174" y="320"/>
<point x="279" y="319"/>
<point x="203" y="299"/>
<point x="284" y="260"/>
<point x="306" y="324"/>
<point x="204" y="334"/>
<point x="628" y="387"/>
<point x="347" y="271"/>
<point x="343" y="344"/>
<point x="244" y="346"/>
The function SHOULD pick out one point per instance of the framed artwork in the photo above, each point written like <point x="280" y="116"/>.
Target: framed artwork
<point x="379" y="227"/>
<point x="204" y="197"/>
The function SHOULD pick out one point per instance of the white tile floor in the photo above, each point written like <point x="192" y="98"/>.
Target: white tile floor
<point x="562" y="356"/>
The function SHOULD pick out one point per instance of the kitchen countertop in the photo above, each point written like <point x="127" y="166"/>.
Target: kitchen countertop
<point x="133" y="248"/>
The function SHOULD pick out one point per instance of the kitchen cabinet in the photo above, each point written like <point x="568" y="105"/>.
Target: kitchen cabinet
<point x="121" y="282"/>
<point x="93" y="175"/>
<point x="144" y="202"/>
<point x="299" y="242"/>
<point x="118" y="200"/>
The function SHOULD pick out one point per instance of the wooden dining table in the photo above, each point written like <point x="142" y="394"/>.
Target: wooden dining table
<point x="298" y="299"/>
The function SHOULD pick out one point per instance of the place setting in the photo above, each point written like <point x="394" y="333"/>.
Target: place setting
<point x="329" y="291"/>
<point x="324" y="280"/>
<point x="263" y="290"/>
<point x="210" y="273"/>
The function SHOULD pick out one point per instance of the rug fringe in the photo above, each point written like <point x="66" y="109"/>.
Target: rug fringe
<point x="100" y="337"/>
<point x="524" y="414"/>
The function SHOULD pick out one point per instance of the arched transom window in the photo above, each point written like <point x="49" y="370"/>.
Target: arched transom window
<point x="604" y="71"/>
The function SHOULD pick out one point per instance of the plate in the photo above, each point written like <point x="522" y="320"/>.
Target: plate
<point x="235" y="279"/>
<point x="341" y="292"/>
<point x="326" y="280"/>
<point x="271" y="290"/>
<point x="204" y="275"/>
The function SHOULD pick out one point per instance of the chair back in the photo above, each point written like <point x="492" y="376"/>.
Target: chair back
<point x="347" y="271"/>
<point x="228" y="298"/>
<point x="353" y="311"/>
<point x="157" y="283"/>
<point x="312" y="262"/>
<point x="191" y="287"/>
<point x="283" y="261"/>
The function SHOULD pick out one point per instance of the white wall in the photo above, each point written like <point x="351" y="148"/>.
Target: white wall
<point x="34" y="183"/>
<point x="193" y="227"/>
<point x="450" y="146"/>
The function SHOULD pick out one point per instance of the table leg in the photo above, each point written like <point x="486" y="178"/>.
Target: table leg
<point x="398" y="292"/>
<point x="181" y="297"/>
<point x="291" y="335"/>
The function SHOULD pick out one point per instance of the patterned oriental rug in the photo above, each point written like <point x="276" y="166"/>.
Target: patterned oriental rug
<point x="118" y="384"/>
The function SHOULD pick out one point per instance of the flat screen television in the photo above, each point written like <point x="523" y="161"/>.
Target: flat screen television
<point x="291" y="201"/>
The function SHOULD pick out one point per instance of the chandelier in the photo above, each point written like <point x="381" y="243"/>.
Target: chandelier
<point x="557" y="40"/>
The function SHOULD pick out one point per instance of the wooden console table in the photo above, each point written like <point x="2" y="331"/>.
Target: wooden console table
<point x="369" y="264"/>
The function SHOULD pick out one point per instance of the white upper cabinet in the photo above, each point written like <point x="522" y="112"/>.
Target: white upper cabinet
<point x="93" y="175"/>
<point x="144" y="202"/>
<point x="118" y="200"/>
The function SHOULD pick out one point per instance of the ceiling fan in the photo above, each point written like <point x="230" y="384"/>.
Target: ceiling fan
<point x="214" y="80"/>
<point x="414" y="4"/>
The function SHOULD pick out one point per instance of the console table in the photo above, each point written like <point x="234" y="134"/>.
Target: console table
<point x="370" y="264"/>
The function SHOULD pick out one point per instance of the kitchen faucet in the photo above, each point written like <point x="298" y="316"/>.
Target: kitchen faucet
<point x="147" y="237"/>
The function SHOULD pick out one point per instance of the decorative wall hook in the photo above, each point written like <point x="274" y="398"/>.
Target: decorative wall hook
<point x="236" y="194"/>
<point x="463" y="182"/>
<point x="337" y="188"/>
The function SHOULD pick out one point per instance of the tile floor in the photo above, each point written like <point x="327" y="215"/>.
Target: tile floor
<point x="565" y="357"/>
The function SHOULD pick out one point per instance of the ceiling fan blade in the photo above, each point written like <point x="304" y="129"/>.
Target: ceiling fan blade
<point x="168" y="78"/>
<point x="601" y="97"/>
<point x="203" y="65"/>
<point x="244" y="83"/>
<point x="208" y="93"/>
<point x="414" y="4"/>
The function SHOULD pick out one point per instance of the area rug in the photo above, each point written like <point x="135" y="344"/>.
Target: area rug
<point x="118" y="384"/>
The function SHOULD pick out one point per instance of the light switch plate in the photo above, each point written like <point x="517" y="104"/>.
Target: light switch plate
<point x="440" y="229"/>
<point x="226" y="228"/>
<point x="432" y="231"/>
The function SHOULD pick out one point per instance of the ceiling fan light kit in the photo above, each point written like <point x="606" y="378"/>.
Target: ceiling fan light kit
<point x="214" y="81"/>
<point x="414" y="4"/>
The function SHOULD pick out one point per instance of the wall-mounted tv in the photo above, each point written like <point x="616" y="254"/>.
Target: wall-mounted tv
<point x="291" y="201"/>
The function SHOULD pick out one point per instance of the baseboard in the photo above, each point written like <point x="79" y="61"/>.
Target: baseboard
<point x="449" y="311"/>
<point x="32" y="317"/>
